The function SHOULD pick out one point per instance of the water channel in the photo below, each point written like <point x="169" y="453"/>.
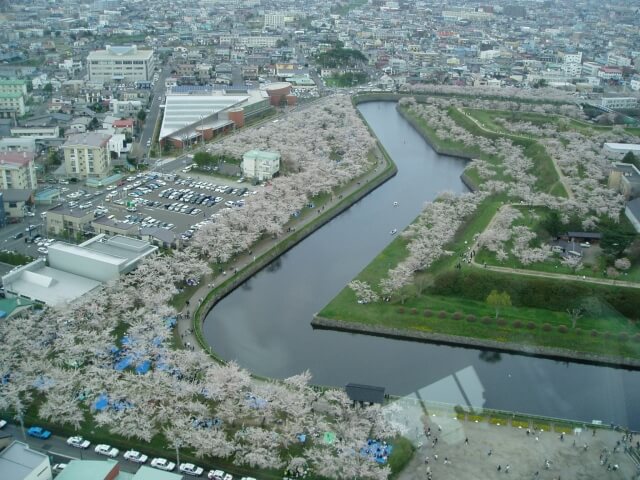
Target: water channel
<point x="265" y="324"/>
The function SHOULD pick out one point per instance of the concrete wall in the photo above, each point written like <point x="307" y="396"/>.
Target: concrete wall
<point x="85" y="266"/>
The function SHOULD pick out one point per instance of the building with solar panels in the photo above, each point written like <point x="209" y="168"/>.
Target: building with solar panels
<point x="194" y="114"/>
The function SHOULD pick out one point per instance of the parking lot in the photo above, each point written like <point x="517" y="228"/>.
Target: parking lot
<point x="180" y="202"/>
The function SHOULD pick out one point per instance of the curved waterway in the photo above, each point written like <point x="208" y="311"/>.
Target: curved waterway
<point x="265" y="324"/>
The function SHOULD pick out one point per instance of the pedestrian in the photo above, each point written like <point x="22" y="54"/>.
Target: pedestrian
<point x="585" y="446"/>
<point x="489" y="453"/>
<point x="466" y="441"/>
<point x="499" y="467"/>
<point x="426" y="460"/>
<point x="506" y="469"/>
<point x="562" y="437"/>
<point x="435" y="440"/>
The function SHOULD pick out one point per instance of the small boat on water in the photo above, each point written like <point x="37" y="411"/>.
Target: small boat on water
<point x="393" y="232"/>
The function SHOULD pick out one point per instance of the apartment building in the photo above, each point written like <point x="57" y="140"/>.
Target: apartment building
<point x="121" y="64"/>
<point x="619" y="103"/>
<point x="13" y="86"/>
<point x="260" y="165"/>
<point x="86" y="155"/>
<point x="273" y="20"/>
<point x="17" y="170"/>
<point x="11" y="104"/>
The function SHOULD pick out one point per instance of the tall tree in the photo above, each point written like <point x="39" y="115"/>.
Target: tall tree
<point x="498" y="300"/>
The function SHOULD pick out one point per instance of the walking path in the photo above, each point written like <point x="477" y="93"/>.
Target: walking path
<point x="185" y="318"/>
<point x="534" y="273"/>
<point x="561" y="176"/>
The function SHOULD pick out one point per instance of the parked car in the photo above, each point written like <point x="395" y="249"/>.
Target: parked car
<point x="2" y="423"/>
<point x="38" y="432"/>
<point x="190" y="469"/>
<point x="136" y="457"/>
<point x="78" y="442"/>
<point x="215" y="475"/>
<point x="163" y="464"/>
<point x="58" y="467"/>
<point x="107" y="450"/>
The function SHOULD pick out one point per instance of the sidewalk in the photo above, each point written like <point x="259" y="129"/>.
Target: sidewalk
<point x="185" y="318"/>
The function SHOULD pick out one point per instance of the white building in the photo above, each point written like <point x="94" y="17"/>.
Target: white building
<point x="121" y="64"/>
<point x="37" y="133"/>
<point x="17" y="170"/>
<point x="616" y="60"/>
<point x="125" y="107"/>
<point x="621" y="149"/>
<point x="273" y="20"/>
<point x="87" y="155"/>
<point x="610" y="73"/>
<point x="260" y="165"/>
<point x="619" y="103"/>
<point x="11" y="104"/>
<point x="76" y="270"/>
<point x="635" y="83"/>
<point x="19" y="462"/>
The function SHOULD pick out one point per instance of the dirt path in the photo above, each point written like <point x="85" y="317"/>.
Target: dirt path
<point x="561" y="177"/>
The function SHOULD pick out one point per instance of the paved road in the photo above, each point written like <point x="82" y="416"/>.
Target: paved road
<point x="57" y="448"/>
<point x="154" y="111"/>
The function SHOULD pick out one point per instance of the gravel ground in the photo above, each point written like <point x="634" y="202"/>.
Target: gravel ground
<point x="525" y="454"/>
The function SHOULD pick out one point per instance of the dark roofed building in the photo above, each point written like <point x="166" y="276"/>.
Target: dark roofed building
<point x="584" y="235"/>
<point x="365" y="393"/>
<point x="632" y="212"/>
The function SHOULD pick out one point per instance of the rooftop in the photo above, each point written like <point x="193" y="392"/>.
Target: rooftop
<point x="129" y="52"/>
<point x="71" y="212"/>
<point x="46" y="284"/>
<point x="16" y="158"/>
<point x="17" y="461"/>
<point x="262" y="155"/>
<point x="89" y="139"/>
<point x="16" y="195"/>
<point x="365" y="393"/>
<point x="87" y="470"/>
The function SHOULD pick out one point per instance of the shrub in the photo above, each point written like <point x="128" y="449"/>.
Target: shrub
<point x="563" y="328"/>
<point x="501" y="321"/>
<point x="414" y="311"/>
<point x="531" y="325"/>
<point x="577" y="331"/>
<point x="401" y="310"/>
<point x="428" y="313"/>
<point x="623" y="336"/>
<point x="442" y="314"/>
<point x="607" y="335"/>
<point x="546" y="327"/>
<point x="486" y="320"/>
<point x="594" y="333"/>
<point x="517" y="324"/>
<point x="636" y="337"/>
<point x="457" y="315"/>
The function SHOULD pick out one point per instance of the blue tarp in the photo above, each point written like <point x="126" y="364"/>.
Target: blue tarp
<point x="101" y="403"/>
<point x="124" y="363"/>
<point x="143" y="367"/>
<point x="170" y="322"/>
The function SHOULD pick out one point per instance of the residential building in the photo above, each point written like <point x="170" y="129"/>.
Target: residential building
<point x="273" y="20"/>
<point x="635" y="83"/>
<point x="125" y="108"/>
<point x="260" y="165"/>
<point x="13" y="86"/>
<point x="591" y="69"/>
<point x="10" y="144"/>
<point x="616" y="60"/>
<point x="87" y="155"/>
<point x="19" y="462"/>
<point x="79" y="124"/>
<point x="12" y="105"/>
<point x="15" y="202"/>
<point x="619" y="103"/>
<point x="610" y="73"/>
<point x="38" y="133"/>
<point x="121" y="63"/>
<point x="17" y="170"/>
<point x="111" y="226"/>
<point x="64" y="220"/>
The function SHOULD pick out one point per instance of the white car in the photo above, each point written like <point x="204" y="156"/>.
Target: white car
<point x="107" y="450"/>
<point x="43" y="250"/>
<point x="190" y="469"/>
<point x="136" y="457"/>
<point x="216" y="475"/>
<point x="78" y="442"/>
<point x="2" y="423"/>
<point x="163" y="464"/>
<point x="58" y="467"/>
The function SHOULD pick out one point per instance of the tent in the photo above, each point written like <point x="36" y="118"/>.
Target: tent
<point x="329" y="438"/>
<point x="124" y="363"/>
<point x="143" y="367"/>
<point x="101" y="403"/>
